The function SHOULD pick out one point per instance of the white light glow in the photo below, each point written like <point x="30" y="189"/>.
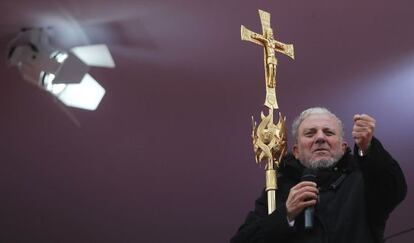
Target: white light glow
<point x="64" y="74"/>
<point x="59" y="56"/>
<point x="49" y="86"/>
<point x="47" y="80"/>
<point x="85" y="95"/>
<point x="94" y="55"/>
<point x="58" y="88"/>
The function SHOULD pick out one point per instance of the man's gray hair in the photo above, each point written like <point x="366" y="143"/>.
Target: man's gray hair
<point x="311" y="111"/>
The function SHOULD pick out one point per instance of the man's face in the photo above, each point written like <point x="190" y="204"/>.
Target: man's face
<point x="319" y="142"/>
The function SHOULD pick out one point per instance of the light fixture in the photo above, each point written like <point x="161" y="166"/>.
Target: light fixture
<point x="65" y="74"/>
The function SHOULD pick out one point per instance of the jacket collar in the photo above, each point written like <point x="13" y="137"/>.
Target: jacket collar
<point x="292" y="168"/>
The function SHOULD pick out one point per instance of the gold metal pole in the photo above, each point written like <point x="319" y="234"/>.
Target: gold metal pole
<point x="269" y="139"/>
<point x="271" y="188"/>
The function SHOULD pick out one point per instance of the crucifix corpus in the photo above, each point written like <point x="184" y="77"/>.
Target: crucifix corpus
<point x="269" y="139"/>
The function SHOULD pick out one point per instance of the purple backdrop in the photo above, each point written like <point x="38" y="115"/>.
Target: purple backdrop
<point x="167" y="156"/>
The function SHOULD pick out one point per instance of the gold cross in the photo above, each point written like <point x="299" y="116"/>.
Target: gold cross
<point x="270" y="62"/>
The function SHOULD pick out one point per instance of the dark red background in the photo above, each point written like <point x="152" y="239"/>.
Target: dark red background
<point x="167" y="156"/>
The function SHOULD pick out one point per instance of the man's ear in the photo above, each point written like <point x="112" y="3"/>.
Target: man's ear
<point x="295" y="151"/>
<point x="344" y="145"/>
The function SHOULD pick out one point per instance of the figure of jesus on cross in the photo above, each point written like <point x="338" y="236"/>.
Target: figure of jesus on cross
<point x="271" y="46"/>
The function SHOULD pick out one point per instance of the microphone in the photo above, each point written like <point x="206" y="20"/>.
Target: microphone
<point x="309" y="174"/>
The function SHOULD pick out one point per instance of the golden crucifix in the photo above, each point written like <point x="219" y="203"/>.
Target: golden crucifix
<point x="269" y="140"/>
<point x="270" y="61"/>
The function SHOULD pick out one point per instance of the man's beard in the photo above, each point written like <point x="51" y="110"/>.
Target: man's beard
<point x="323" y="163"/>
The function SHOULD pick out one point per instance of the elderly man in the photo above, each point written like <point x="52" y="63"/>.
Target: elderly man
<point x="351" y="196"/>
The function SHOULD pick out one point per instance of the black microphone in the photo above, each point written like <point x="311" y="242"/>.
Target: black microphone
<point x="309" y="174"/>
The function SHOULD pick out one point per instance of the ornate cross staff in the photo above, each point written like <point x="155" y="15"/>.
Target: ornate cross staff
<point x="269" y="140"/>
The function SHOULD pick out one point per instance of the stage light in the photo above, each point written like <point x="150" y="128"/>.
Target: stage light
<point x="64" y="74"/>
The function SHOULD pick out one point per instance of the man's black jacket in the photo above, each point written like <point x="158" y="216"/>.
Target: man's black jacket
<point x="356" y="197"/>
